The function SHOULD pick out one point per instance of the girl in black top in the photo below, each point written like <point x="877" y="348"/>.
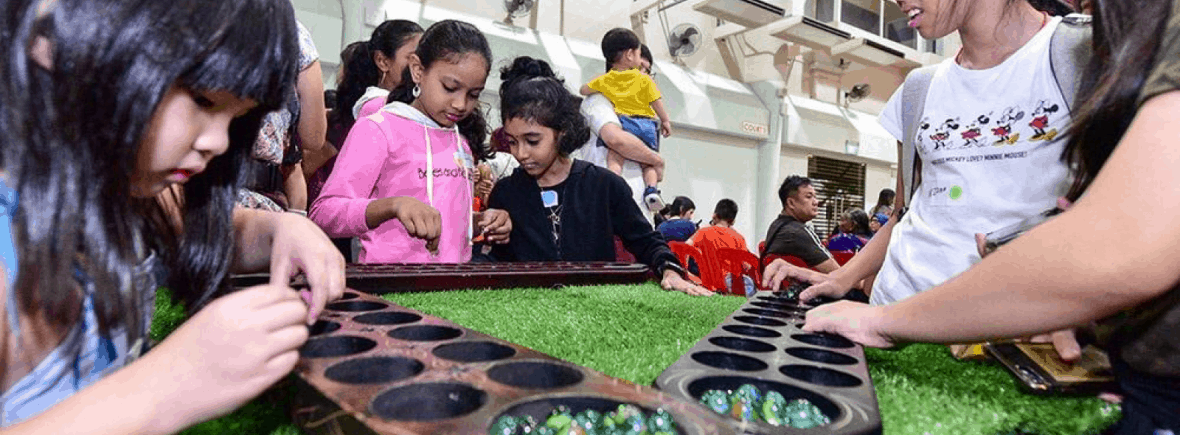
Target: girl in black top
<point x="564" y="209"/>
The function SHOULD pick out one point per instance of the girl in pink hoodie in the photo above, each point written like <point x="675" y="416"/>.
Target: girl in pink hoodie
<point x="403" y="182"/>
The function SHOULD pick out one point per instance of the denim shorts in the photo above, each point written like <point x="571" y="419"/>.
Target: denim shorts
<point x="646" y="129"/>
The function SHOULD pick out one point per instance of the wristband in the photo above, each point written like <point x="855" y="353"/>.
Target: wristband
<point x="668" y="265"/>
<point x="298" y="212"/>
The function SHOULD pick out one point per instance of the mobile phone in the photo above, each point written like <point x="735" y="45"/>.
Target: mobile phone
<point x="1039" y="370"/>
<point x="1002" y="236"/>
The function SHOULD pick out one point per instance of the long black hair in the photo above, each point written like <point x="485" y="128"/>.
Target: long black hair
<point x="1127" y="39"/>
<point x="860" y="222"/>
<point x="72" y="133"/>
<point x="884" y="200"/>
<point x="679" y="206"/>
<point x="447" y="40"/>
<point x="532" y="92"/>
<point x="360" y="69"/>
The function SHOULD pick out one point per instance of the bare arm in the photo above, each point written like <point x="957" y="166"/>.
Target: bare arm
<point x="828" y="266"/>
<point x="253" y="231"/>
<point x="1071" y="270"/>
<point x="295" y="186"/>
<point x="665" y="120"/>
<point x="313" y="160"/>
<point x="868" y="261"/>
<point x="313" y="120"/>
<point x="661" y="112"/>
<point x="586" y="90"/>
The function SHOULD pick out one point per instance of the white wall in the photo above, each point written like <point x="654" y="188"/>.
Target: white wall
<point x="709" y="167"/>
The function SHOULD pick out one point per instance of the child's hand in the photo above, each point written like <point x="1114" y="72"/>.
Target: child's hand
<point x="421" y="220"/>
<point x="484" y="183"/>
<point x="666" y="128"/>
<point x="300" y="245"/>
<point x="673" y="282"/>
<point x="227" y="353"/>
<point x="496" y="224"/>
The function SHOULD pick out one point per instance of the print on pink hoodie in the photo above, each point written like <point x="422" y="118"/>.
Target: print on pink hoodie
<point x="388" y="155"/>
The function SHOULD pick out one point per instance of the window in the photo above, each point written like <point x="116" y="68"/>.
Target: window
<point x="839" y="186"/>
<point x="897" y="27"/>
<point x="862" y="14"/>
<point x="883" y="18"/>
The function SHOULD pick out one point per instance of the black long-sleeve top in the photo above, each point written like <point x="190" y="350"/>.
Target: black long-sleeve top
<point x="596" y="206"/>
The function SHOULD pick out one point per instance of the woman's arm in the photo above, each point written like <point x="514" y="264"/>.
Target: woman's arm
<point x="1103" y="255"/>
<point x="864" y="264"/>
<point x="295" y="187"/>
<point x="313" y="118"/>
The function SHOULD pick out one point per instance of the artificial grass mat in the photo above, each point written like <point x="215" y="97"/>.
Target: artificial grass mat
<point x="634" y="332"/>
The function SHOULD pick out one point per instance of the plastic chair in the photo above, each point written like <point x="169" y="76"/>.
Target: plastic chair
<point x="788" y="258"/>
<point x="738" y="263"/>
<point x="842" y="257"/>
<point x="709" y="276"/>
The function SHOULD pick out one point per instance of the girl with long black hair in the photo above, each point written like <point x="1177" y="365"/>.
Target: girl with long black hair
<point x="125" y="126"/>
<point x="565" y="209"/>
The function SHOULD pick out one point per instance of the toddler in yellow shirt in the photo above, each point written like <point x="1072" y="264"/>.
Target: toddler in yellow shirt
<point x="629" y="86"/>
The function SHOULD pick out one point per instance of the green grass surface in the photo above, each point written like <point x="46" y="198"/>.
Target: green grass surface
<point x="629" y="332"/>
<point x="634" y="332"/>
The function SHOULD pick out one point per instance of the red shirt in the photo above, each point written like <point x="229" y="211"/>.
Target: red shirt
<point x="718" y="237"/>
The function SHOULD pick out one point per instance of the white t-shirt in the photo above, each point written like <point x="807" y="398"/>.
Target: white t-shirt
<point x="990" y="142"/>
<point x="599" y="112"/>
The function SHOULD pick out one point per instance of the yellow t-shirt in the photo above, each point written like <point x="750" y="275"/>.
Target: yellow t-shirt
<point x="631" y="91"/>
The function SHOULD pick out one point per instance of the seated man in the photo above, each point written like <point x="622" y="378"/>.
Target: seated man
<point x="721" y="233"/>
<point x="789" y="236"/>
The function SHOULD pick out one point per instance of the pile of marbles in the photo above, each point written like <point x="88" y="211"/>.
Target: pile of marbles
<point x="626" y="420"/>
<point x="749" y="404"/>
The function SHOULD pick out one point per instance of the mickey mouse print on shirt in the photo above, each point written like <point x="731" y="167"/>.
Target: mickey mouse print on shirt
<point x="1003" y="131"/>
<point x="971" y="135"/>
<point x="1040" y="122"/>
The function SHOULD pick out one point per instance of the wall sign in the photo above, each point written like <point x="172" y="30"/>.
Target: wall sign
<point x="751" y="127"/>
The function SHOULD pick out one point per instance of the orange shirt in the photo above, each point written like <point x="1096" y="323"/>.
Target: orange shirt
<point x="718" y="237"/>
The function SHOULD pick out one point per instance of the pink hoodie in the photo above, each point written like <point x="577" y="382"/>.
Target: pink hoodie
<point x="386" y="155"/>
<point x="369" y="103"/>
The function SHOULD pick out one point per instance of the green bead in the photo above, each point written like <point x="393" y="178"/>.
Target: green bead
<point x="586" y="424"/>
<point x="593" y="416"/>
<point x="748" y="393"/>
<point x="742" y="410"/>
<point x="716" y="400"/>
<point x="805" y="415"/>
<point x="558" y="421"/>
<point x="661" y="421"/>
<point x="505" y="425"/>
<point x="619" y="416"/>
<point x="776" y="397"/>
<point x="770" y="413"/>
